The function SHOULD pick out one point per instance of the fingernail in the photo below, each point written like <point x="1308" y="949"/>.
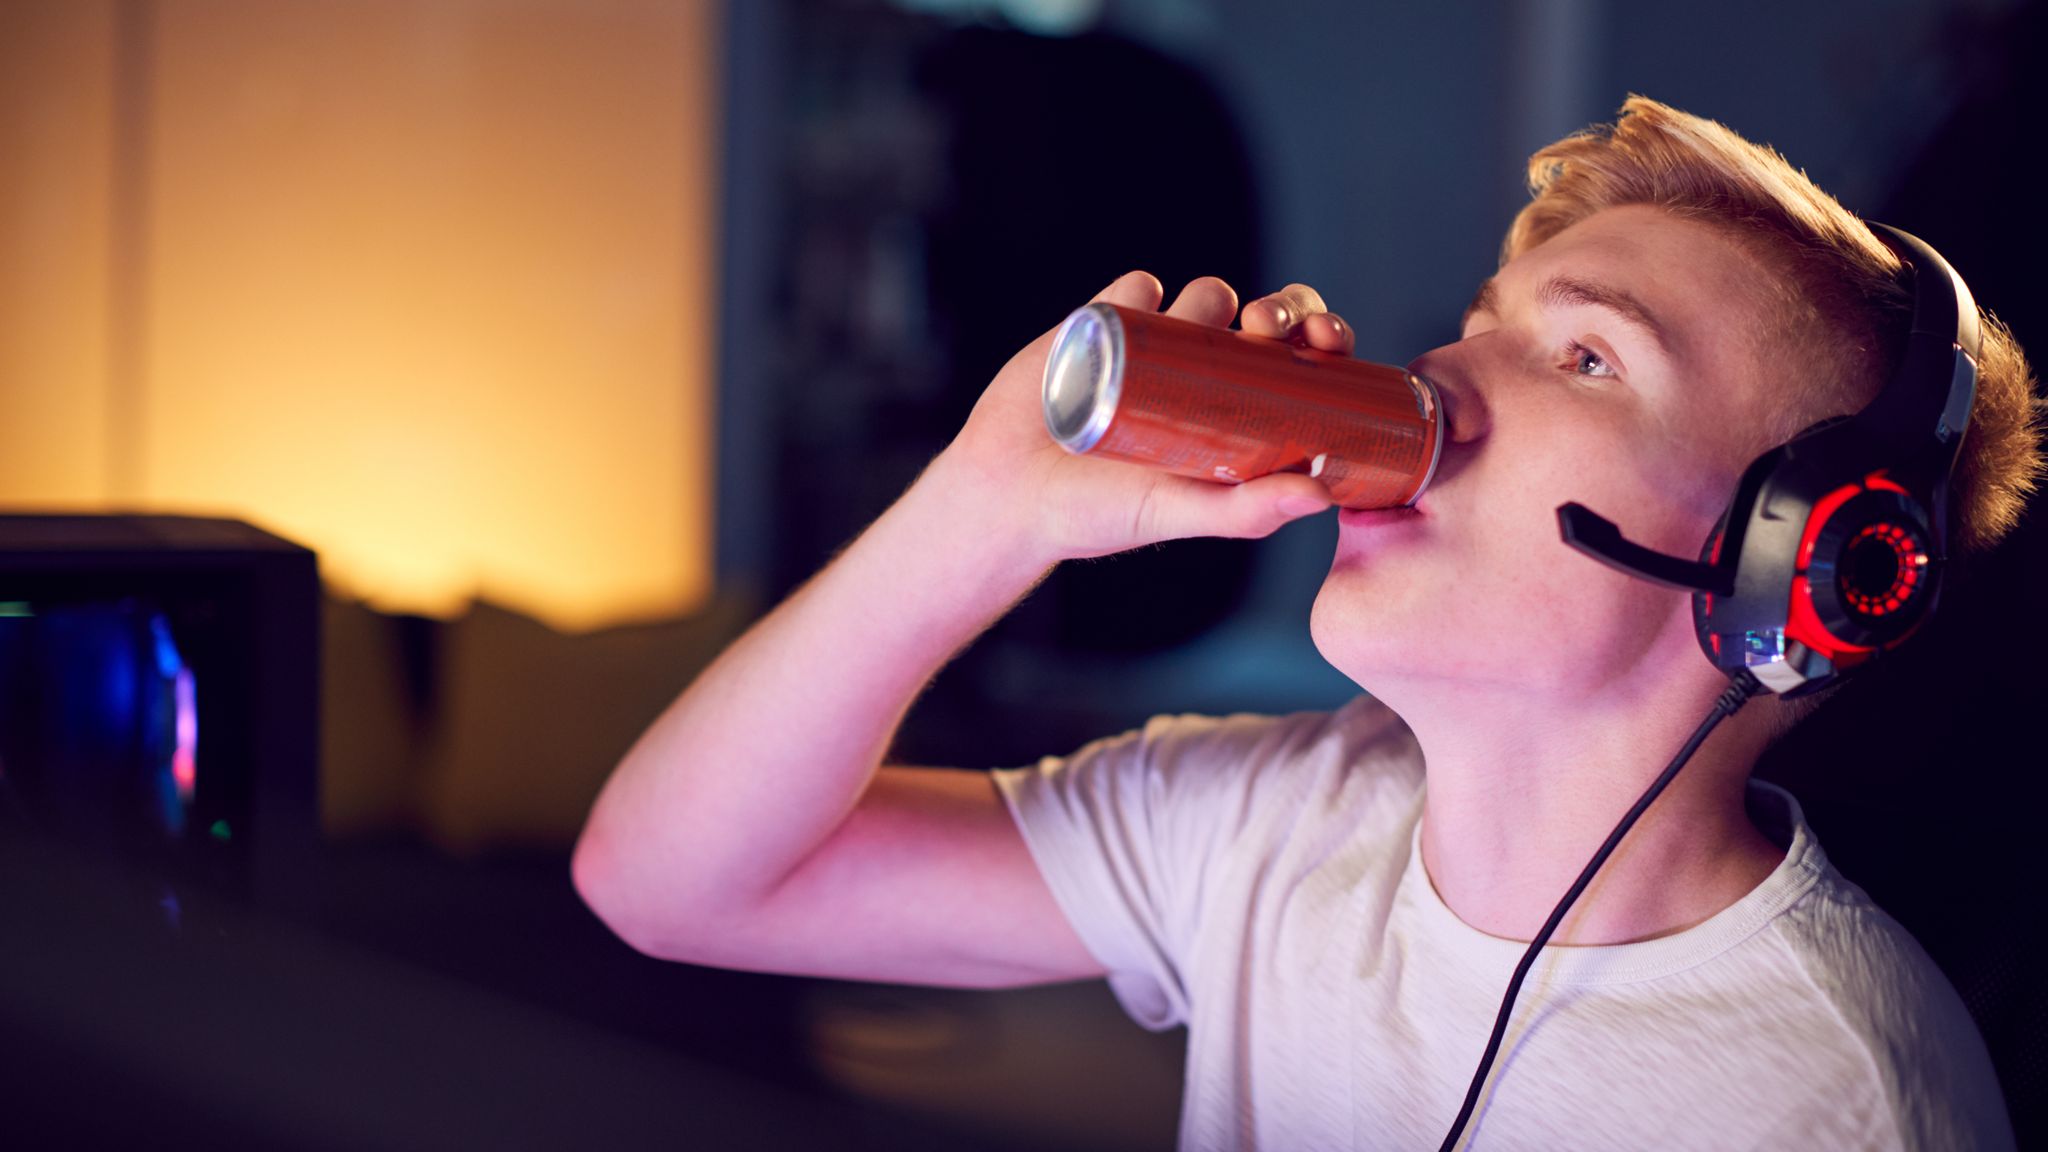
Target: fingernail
<point x="1300" y="505"/>
<point x="1281" y="316"/>
<point x="1336" y="325"/>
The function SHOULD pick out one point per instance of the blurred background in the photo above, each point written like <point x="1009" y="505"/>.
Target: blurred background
<point x="571" y="335"/>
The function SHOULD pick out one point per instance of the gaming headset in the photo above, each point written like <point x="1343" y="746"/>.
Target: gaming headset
<point x="1830" y="553"/>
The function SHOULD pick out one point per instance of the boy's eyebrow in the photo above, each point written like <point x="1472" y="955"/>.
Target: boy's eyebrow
<point x="1485" y="301"/>
<point x="1561" y="291"/>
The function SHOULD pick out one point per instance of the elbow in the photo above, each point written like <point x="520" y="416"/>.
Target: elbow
<point x="594" y="871"/>
<point x="587" y="873"/>
<point x="624" y="889"/>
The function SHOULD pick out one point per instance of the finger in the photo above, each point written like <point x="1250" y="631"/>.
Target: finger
<point x="1207" y="300"/>
<point x="1328" y="332"/>
<point x="1264" y="317"/>
<point x="1138" y="290"/>
<point x="1181" y="507"/>
<point x="1299" y="302"/>
<point x="1284" y="315"/>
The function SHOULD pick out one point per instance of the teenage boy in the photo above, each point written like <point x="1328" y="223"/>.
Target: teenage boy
<point x="1332" y="902"/>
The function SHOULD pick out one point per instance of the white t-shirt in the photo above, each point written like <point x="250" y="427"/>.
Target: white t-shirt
<point x="1258" y="879"/>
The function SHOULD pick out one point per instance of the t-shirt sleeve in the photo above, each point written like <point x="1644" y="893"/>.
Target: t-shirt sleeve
<point x="1130" y="831"/>
<point x="1926" y="1051"/>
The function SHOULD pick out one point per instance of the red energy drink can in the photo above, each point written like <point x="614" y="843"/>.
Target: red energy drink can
<point x="1218" y="404"/>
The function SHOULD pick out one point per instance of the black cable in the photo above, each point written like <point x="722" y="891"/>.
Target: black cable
<point x="1741" y="687"/>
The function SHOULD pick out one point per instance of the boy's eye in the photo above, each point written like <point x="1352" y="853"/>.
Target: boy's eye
<point x="1587" y="362"/>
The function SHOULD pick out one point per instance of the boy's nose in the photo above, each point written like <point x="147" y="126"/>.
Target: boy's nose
<point x="1464" y="411"/>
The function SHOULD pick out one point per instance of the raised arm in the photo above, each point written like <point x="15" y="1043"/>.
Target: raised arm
<point x="753" y="825"/>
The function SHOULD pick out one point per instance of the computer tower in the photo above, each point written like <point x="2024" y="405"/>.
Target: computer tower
<point x="159" y="700"/>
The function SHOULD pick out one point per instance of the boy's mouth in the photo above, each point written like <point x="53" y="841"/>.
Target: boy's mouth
<point x="1377" y="517"/>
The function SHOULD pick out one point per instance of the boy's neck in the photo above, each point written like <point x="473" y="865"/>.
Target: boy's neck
<point x="1513" y="812"/>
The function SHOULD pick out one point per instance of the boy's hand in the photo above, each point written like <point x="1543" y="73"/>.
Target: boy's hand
<point x="1070" y="506"/>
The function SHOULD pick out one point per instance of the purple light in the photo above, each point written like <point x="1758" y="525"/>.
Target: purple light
<point x="185" y="761"/>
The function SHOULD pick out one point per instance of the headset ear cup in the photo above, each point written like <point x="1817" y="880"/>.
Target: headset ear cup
<point x="1710" y="552"/>
<point x="1875" y="571"/>
<point x="1703" y="602"/>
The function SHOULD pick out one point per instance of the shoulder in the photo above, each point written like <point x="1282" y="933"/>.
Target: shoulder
<point x="1890" y="1003"/>
<point x="1275" y="759"/>
<point x="1194" y="782"/>
<point x="1363" y="730"/>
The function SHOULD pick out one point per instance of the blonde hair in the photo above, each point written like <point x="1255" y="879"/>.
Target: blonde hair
<point x="1839" y="311"/>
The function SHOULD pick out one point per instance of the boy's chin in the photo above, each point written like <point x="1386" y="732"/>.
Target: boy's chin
<point x="1364" y="649"/>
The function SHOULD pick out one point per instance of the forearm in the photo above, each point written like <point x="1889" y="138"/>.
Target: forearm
<point x="766" y="753"/>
